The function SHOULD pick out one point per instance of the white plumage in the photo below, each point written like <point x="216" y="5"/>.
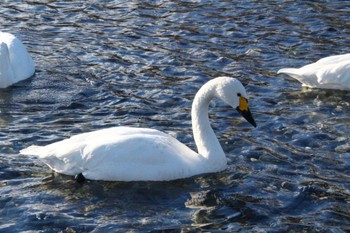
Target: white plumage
<point x="328" y="73"/>
<point x="15" y="62"/>
<point x="131" y="154"/>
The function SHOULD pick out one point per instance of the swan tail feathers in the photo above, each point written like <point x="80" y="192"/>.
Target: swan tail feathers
<point x="288" y="71"/>
<point x="60" y="165"/>
<point x="292" y="72"/>
<point x="33" y="150"/>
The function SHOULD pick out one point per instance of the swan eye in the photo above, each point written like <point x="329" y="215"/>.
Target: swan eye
<point x="239" y="94"/>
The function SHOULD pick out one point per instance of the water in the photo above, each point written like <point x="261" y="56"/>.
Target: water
<point x="139" y="63"/>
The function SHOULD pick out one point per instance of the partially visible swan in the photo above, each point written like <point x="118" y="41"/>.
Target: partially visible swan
<point x="142" y="154"/>
<point x="15" y="62"/>
<point x="328" y="73"/>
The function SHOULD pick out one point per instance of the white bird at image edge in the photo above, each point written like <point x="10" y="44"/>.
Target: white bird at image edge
<point x="327" y="73"/>
<point x="15" y="62"/>
<point x="141" y="154"/>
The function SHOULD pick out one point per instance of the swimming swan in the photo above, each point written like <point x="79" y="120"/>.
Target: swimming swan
<point x="15" y="62"/>
<point x="328" y="73"/>
<point x="142" y="154"/>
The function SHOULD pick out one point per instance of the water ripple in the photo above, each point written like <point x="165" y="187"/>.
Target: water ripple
<point x="108" y="63"/>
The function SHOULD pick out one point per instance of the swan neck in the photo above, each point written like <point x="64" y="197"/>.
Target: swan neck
<point x="206" y="141"/>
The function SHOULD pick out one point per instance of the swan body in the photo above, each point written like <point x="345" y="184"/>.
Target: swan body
<point x="328" y="73"/>
<point x="15" y="62"/>
<point x="141" y="154"/>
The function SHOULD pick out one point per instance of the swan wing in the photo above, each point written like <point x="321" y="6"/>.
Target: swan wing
<point x="21" y="62"/>
<point x="140" y="157"/>
<point x="120" y="153"/>
<point x="7" y="76"/>
<point x="335" y="76"/>
<point x="330" y="72"/>
<point x="334" y="59"/>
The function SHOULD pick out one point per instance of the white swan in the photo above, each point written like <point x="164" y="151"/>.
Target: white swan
<point x="136" y="154"/>
<point x="328" y="73"/>
<point x="15" y="62"/>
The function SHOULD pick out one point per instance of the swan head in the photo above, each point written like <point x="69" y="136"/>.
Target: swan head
<point x="233" y="93"/>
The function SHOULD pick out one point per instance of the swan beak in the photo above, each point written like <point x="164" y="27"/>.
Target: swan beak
<point x="243" y="109"/>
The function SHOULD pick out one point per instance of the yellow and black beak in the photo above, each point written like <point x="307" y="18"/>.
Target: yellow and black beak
<point x="243" y="109"/>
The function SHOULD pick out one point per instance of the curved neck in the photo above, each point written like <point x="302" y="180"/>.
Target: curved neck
<point x="206" y="141"/>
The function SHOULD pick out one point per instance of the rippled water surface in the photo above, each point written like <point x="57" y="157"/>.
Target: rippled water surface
<point x="139" y="63"/>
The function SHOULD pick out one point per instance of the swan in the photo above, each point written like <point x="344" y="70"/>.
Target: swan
<point x="144" y="154"/>
<point x="15" y="62"/>
<point x="331" y="72"/>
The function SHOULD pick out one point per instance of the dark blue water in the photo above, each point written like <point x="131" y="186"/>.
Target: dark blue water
<point x="139" y="63"/>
